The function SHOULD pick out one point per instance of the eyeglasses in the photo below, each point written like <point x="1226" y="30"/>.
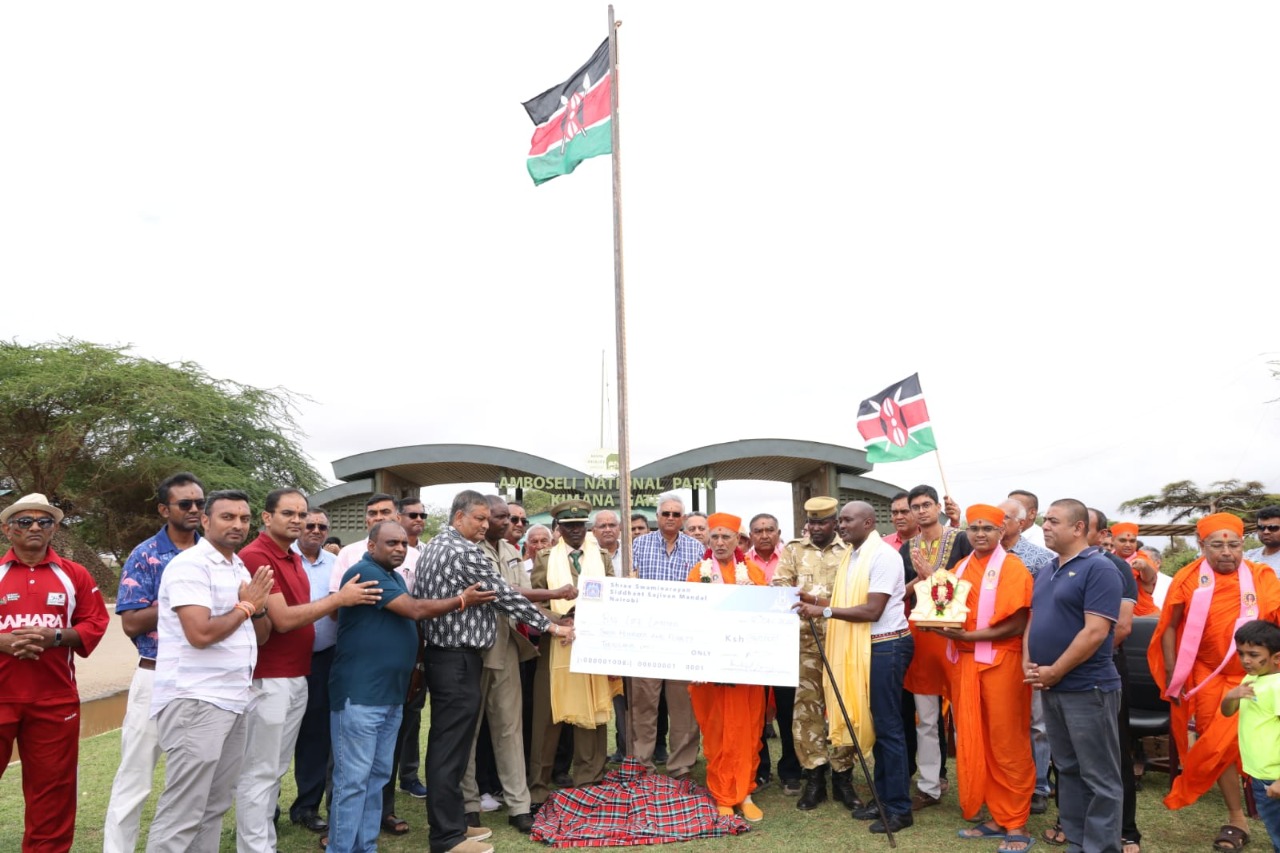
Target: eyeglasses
<point x="415" y="516"/>
<point x="311" y="525"/>
<point x="671" y="514"/>
<point x="1270" y="528"/>
<point x="187" y="503"/>
<point x="518" y="519"/>
<point x="26" y="521"/>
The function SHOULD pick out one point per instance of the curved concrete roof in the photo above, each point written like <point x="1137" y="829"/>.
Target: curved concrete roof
<point x="324" y="497"/>
<point x="436" y="464"/>
<point x="780" y="459"/>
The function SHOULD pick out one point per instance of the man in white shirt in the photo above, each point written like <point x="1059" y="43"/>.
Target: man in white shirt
<point x="1269" y="534"/>
<point x="211" y="620"/>
<point x="1031" y="531"/>
<point x="891" y="649"/>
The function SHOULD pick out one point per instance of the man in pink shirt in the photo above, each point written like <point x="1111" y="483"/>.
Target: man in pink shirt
<point x="904" y="521"/>
<point x="765" y="537"/>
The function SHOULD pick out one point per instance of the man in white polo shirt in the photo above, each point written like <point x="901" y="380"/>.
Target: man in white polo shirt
<point x="212" y="618"/>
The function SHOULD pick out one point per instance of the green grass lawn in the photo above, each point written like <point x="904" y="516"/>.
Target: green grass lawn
<point x="784" y="828"/>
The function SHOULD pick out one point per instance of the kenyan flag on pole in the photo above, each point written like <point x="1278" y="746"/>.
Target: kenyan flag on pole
<point x="895" y="423"/>
<point x="573" y="120"/>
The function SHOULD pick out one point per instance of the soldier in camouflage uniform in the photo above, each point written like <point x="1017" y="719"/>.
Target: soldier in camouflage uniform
<point x="810" y="564"/>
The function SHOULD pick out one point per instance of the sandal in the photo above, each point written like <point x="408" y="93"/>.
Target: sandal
<point x="395" y="825"/>
<point x="1230" y="837"/>
<point x="1054" y="835"/>
<point x="1026" y="841"/>
<point x="980" y="831"/>
<point x="1128" y="845"/>
<point x="324" y="842"/>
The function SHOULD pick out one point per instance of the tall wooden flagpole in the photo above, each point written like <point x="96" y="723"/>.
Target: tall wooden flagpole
<point x="620" y="308"/>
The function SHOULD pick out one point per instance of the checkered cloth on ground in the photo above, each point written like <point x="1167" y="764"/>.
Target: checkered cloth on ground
<point x="631" y="806"/>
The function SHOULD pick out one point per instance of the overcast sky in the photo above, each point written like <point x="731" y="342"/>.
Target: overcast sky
<point x="1062" y="216"/>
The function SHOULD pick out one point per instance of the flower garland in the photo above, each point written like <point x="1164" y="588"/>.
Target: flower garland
<point x="708" y="570"/>
<point x="942" y="594"/>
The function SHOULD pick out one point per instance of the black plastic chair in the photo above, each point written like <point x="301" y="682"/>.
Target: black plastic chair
<point x="1148" y="713"/>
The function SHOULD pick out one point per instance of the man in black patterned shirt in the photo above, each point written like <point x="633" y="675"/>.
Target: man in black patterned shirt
<point x="450" y="563"/>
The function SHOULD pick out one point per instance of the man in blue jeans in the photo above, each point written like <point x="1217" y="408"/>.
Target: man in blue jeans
<point x="1067" y="656"/>
<point x="891" y="647"/>
<point x="376" y="650"/>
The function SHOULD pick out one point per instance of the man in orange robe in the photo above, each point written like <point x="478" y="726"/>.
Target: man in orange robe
<point x="992" y="703"/>
<point x="1208" y="598"/>
<point x="730" y="716"/>
<point x="1124" y="535"/>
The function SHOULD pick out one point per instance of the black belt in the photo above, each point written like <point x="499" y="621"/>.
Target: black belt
<point x="146" y="663"/>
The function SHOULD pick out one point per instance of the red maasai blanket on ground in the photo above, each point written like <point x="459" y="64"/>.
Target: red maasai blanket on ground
<point x="630" y="807"/>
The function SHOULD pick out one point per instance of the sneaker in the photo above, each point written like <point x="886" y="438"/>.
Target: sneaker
<point x="415" y="789"/>
<point x="488" y="803"/>
<point x="470" y="846"/>
<point x="478" y="833"/>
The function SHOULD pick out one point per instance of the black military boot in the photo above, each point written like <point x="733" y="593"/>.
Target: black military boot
<point x="842" y="789"/>
<point x="815" y="789"/>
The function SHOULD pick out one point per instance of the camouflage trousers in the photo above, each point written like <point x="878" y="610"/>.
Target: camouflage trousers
<point x="809" y="723"/>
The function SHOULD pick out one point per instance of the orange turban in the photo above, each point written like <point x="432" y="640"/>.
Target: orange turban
<point x="985" y="512"/>
<point x="1211" y="524"/>
<point x="1122" y="527"/>
<point x="723" y="519"/>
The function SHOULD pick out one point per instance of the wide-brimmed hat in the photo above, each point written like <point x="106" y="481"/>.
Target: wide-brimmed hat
<point x="35" y="500"/>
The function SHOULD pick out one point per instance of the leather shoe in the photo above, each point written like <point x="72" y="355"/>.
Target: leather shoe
<point x="311" y="821"/>
<point x="897" y="822"/>
<point x="921" y="800"/>
<point x="1039" y="803"/>
<point x="562" y="780"/>
<point x="867" y="812"/>
<point x="522" y="822"/>
<point x="473" y="818"/>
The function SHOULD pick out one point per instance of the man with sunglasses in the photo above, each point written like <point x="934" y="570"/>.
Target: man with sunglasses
<point x="519" y="523"/>
<point x="665" y="555"/>
<point x="311" y="754"/>
<point x="407" y="756"/>
<point x="1269" y="534"/>
<point x="50" y="611"/>
<point x="179" y="501"/>
<point x="284" y="661"/>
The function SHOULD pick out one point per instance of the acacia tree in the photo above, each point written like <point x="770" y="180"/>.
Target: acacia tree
<point x="1183" y="499"/>
<point x="95" y="428"/>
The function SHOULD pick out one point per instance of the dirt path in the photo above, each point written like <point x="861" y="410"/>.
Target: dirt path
<point x="110" y="668"/>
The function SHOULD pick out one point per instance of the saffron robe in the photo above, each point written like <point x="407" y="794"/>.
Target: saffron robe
<point x="929" y="673"/>
<point x="992" y="705"/>
<point x="1146" y="605"/>
<point x="731" y="718"/>
<point x="1216" y="747"/>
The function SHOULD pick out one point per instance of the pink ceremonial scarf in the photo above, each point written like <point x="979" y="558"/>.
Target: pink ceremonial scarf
<point x="1198" y="614"/>
<point x="983" y="652"/>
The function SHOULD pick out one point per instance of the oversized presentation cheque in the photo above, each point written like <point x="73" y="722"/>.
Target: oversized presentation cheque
<point x="687" y="631"/>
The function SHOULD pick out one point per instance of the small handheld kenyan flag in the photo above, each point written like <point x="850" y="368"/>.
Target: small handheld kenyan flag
<point x="895" y="422"/>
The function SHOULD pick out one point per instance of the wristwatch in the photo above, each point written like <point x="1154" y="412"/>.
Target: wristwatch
<point x="57" y="636"/>
<point x="826" y="612"/>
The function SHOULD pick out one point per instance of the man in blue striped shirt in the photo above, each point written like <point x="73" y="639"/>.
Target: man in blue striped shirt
<point x="666" y="555"/>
